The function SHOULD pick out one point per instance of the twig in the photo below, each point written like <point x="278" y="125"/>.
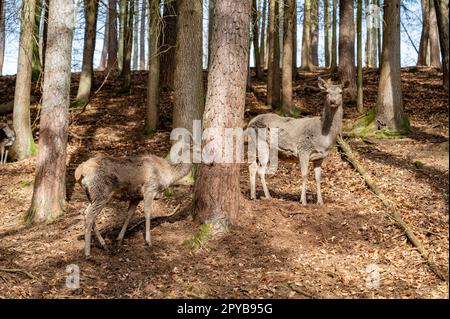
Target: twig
<point x="17" y="270"/>
<point x="392" y="209"/>
<point x="142" y="221"/>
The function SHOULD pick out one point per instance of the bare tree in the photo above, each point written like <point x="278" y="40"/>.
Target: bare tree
<point x="359" y="81"/>
<point x="167" y="43"/>
<point x="286" y="100"/>
<point x="327" y="32"/>
<point x="314" y="47"/>
<point x="136" y="35"/>
<point x="434" y="38"/>
<point x="123" y="7"/>
<point x="49" y="195"/>
<point x="333" y="63"/>
<point x="104" y="55"/>
<point x="2" y="35"/>
<point x="262" y="45"/>
<point x="112" y="62"/>
<point x="442" y="18"/>
<point x="216" y="192"/>
<point x="142" y="36"/>
<point x="126" y="64"/>
<point x="255" y="40"/>
<point x="273" y="72"/>
<point x="347" y="72"/>
<point x="306" y="41"/>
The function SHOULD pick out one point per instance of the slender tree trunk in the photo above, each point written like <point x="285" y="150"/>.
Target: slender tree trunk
<point x="390" y="102"/>
<point x="294" y="43"/>
<point x="152" y="114"/>
<point x="112" y="62"/>
<point x="373" y="31"/>
<point x="423" y="45"/>
<point x="368" y="45"/>
<point x="314" y="32"/>
<point x="36" y="63"/>
<point x="333" y="62"/>
<point x="188" y="81"/>
<point x="347" y="72"/>
<point x="24" y="145"/>
<point x="142" y="36"/>
<point x="255" y="39"/>
<point x="287" y="56"/>
<point x="104" y="56"/>
<point x="359" y="82"/>
<point x="49" y="195"/>
<point x="262" y="51"/>
<point x="216" y="191"/>
<point x="90" y="14"/>
<point x="168" y="41"/>
<point x="44" y="34"/>
<point x="434" y="38"/>
<point x="276" y="93"/>
<point x="2" y="35"/>
<point x="211" y="8"/>
<point x="136" y="35"/>
<point x="126" y="69"/>
<point x="306" y="41"/>
<point x="442" y="19"/>
<point x="326" y="31"/>
<point x="273" y="62"/>
<point x="379" y="30"/>
<point x="123" y="6"/>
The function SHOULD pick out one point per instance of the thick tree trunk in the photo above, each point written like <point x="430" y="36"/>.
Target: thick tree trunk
<point x="142" y="36"/>
<point x="359" y="82"/>
<point x="423" y="45"/>
<point x="306" y="41"/>
<point x="49" y="195"/>
<point x="2" y="35"/>
<point x="216" y="192"/>
<point x="168" y="41"/>
<point x="24" y="145"/>
<point x="262" y="51"/>
<point x="326" y="31"/>
<point x="112" y="62"/>
<point x="314" y="32"/>
<point x="434" y="38"/>
<point x="390" y="101"/>
<point x="90" y="14"/>
<point x="287" y="56"/>
<point x="333" y="63"/>
<point x="104" y="55"/>
<point x="126" y="65"/>
<point x="442" y="19"/>
<point x="188" y="82"/>
<point x="136" y="35"/>
<point x="123" y="6"/>
<point x="273" y="72"/>
<point x="255" y="39"/>
<point x="152" y="114"/>
<point x="347" y="72"/>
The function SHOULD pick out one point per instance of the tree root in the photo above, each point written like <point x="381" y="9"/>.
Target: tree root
<point x="392" y="209"/>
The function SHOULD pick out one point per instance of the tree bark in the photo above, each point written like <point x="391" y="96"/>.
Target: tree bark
<point x="373" y="33"/>
<point x="359" y="82"/>
<point x="306" y="41"/>
<point x="24" y="145"/>
<point x="188" y="81"/>
<point x="142" y="36"/>
<point x="168" y="42"/>
<point x="211" y="4"/>
<point x="2" y="35"/>
<point x="216" y="191"/>
<point x="255" y="40"/>
<point x="424" y="36"/>
<point x="442" y="18"/>
<point x="333" y="63"/>
<point x="262" y="51"/>
<point x="123" y="6"/>
<point x="314" y="47"/>
<point x="326" y="30"/>
<point x="136" y="35"/>
<point x="434" y="38"/>
<point x="390" y="101"/>
<point x="368" y="45"/>
<point x="287" y="56"/>
<point x="347" y="72"/>
<point x="112" y="62"/>
<point x="49" y="195"/>
<point x="104" y="55"/>
<point x="294" y="43"/>
<point x="126" y="65"/>
<point x="90" y="14"/>
<point x="152" y="114"/>
<point x="273" y="74"/>
<point x="36" y="63"/>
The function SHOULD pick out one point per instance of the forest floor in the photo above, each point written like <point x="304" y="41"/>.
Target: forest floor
<point x="279" y="249"/>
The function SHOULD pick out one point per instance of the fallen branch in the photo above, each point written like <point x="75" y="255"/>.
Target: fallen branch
<point x="17" y="270"/>
<point x="392" y="209"/>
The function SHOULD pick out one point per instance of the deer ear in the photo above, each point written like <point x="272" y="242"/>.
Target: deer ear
<point x="322" y="84"/>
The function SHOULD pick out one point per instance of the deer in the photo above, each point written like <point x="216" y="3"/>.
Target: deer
<point x="7" y="138"/>
<point x="307" y="139"/>
<point x="133" y="179"/>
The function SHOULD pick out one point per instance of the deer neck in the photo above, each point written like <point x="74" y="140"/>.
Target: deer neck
<point x="331" y="120"/>
<point x="180" y="170"/>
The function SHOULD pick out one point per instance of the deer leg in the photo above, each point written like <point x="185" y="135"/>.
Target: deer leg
<point x="262" y="176"/>
<point x="149" y="195"/>
<point x="317" y="173"/>
<point x="304" y="160"/>
<point x="252" y="172"/>
<point x="91" y="213"/>
<point x="6" y="157"/>
<point x="1" y="154"/>
<point x="131" y="210"/>
<point x="99" y="237"/>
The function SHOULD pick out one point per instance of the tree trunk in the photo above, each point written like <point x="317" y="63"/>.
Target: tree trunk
<point x="390" y="102"/>
<point x="152" y="114"/>
<point x="374" y="43"/>
<point x="126" y="65"/>
<point x="168" y="42"/>
<point x="112" y="62"/>
<point x="424" y="36"/>
<point x="36" y="63"/>
<point x="142" y="36"/>
<point x="442" y="19"/>
<point x="273" y="72"/>
<point x="368" y="45"/>
<point x="136" y="35"/>
<point x="2" y="35"/>
<point x="188" y="81"/>
<point x="44" y="34"/>
<point x="90" y="15"/>
<point x="434" y="38"/>
<point x="294" y="43"/>
<point x="211" y="4"/>
<point x="216" y="191"/>
<point x="24" y="145"/>
<point x="359" y="82"/>
<point x="255" y="38"/>
<point x="379" y="28"/>
<point x="123" y="6"/>
<point x="326" y="31"/>
<point x="306" y="41"/>
<point x="314" y="32"/>
<point x="287" y="56"/>
<point x="104" y="55"/>
<point x="333" y="65"/>
<point x="262" y="51"/>
<point x="347" y="72"/>
<point x="49" y="195"/>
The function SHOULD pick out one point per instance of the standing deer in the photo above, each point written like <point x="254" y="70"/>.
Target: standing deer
<point x="7" y="138"/>
<point x="308" y="139"/>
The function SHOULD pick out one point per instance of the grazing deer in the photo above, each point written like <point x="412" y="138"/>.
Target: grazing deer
<point x="308" y="139"/>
